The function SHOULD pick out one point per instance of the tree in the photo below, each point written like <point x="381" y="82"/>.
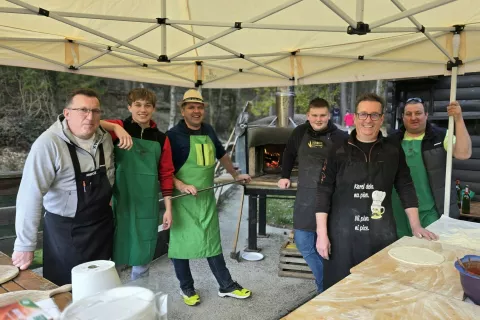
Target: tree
<point x="265" y="97"/>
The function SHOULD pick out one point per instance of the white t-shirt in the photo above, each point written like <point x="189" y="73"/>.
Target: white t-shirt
<point x="86" y="144"/>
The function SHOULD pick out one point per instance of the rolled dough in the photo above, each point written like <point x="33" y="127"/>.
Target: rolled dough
<point x="416" y="255"/>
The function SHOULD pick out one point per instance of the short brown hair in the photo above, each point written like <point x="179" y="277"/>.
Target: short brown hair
<point x="82" y="91"/>
<point x="141" y="94"/>
<point x="318" y="103"/>
<point x="370" y="96"/>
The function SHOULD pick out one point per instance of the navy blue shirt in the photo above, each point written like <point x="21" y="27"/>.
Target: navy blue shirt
<point x="179" y="137"/>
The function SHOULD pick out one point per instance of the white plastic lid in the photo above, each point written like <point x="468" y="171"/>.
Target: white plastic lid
<point x="123" y="303"/>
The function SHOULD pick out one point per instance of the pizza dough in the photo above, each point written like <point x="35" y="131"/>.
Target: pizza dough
<point x="416" y="255"/>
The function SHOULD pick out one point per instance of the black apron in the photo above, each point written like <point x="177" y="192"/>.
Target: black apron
<point x="361" y="222"/>
<point x="311" y="155"/>
<point x="68" y="242"/>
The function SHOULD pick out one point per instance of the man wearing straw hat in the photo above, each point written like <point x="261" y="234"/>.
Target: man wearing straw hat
<point x="425" y="148"/>
<point x="196" y="231"/>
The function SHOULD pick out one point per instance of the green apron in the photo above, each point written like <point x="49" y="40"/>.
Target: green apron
<point x="195" y="230"/>
<point x="426" y="204"/>
<point x="135" y="202"/>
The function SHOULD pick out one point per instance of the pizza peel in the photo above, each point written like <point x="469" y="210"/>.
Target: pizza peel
<point x="34" y="295"/>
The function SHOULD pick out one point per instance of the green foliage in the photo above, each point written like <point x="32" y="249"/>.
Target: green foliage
<point x="265" y="97"/>
<point x="280" y="212"/>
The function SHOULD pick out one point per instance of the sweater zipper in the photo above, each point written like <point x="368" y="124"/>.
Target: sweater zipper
<point x="141" y="134"/>
<point x="370" y="153"/>
<point x="366" y="160"/>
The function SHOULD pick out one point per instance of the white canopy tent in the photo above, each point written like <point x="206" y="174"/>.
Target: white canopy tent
<point x="248" y="43"/>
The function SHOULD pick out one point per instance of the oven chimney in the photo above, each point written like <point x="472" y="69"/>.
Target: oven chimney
<point x="284" y="105"/>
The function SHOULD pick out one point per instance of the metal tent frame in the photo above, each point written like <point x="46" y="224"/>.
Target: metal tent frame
<point x="260" y="64"/>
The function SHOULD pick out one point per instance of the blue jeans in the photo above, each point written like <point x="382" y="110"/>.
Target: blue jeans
<point x="218" y="267"/>
<point x="305" y="242"/>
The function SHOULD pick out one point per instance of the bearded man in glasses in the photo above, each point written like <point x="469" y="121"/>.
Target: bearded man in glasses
<point x="425" y="148"/>
<point x="354" y="211"/>
<point x="70" y="172"/>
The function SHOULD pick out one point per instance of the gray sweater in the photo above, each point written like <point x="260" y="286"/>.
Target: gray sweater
<point x="49" y="179"/>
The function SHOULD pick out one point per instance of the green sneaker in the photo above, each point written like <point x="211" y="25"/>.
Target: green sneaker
<point x="238" y="292"/>
<point x="191" y="298"/>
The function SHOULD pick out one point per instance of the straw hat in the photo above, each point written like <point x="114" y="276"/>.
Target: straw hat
<point x="192" y="95"/>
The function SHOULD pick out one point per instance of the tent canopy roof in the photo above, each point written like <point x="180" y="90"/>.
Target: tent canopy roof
<point x="248" y="43"/>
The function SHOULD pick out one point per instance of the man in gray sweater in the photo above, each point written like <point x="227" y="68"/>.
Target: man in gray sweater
<point x="69" y="171"/>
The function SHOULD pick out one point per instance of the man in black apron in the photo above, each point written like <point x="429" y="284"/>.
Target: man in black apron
<point x="310" y="143"/>
<point x="354" y="211"/>
<point x="69" y="171"/>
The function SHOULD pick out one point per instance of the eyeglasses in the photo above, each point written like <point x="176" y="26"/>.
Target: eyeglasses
<point x="414" y="100"/>
<point x="86" y="111"/>
<point x="374" y="116"/>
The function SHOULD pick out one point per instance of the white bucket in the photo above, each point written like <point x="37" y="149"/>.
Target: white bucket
<point x="123" y="303"/>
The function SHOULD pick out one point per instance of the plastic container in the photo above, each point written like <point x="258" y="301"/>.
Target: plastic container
<point x="470" y="282"/>
<point x="123" y="303"/>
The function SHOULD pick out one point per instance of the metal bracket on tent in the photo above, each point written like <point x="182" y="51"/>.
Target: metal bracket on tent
<point x="240" y="70"/>
<point x="458" y="28"/>
<point x="145" y="65"/>
<point x="198" y="83"/>
<point x="43" y="12"/>
<point x="241" y="56"/>
<point x="238" y="25"/>
<point x="361" y="29"/>
<point x="161" y="21"/>
<point x="361" y="57"/>
<point x="457" y="63"/>
<point x="163" y="58"/>
<point x="72" y="68"/>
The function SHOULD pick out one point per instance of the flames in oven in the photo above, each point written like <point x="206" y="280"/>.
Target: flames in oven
<point x="271" y="159"/>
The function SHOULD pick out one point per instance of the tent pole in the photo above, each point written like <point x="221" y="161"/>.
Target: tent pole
<point x="237" y="70"/>
<point x="403" y="45"/>
<point x="119" y="45"/>
<point x="33" y="56"/>
<point x="427" y="34"/>
<point x="228" y="31"/>
<point x="249" y="68"/>
<point x="141" y="64"/>
<point x="360" y="8"/>
<point x="344" y="56"/>
<point x="339" y="12"/>
<point x="409" y="12"/>
<point x="102" y="48"/>
<point x="453" y="97"/>
<point x="84" y="28"/>
<point x="163" y="50"/>
<point x="233" y="52"/>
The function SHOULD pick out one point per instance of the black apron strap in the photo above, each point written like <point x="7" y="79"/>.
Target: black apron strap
<point x="76" y="164"/>
<point x="102" y="155"/>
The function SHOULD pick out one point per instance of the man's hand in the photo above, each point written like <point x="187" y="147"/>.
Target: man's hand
<point x="284" y="183"/>
<point x="167" y="220"/>
<point x="420" y="232"/>
<point x="454" y="110"/>
<point x="323" y="246"/>
<point x="245" y="177"/>
<point x="124" y="139"/>
<point x="188" y="188"/>
<point x="22" y="259"/>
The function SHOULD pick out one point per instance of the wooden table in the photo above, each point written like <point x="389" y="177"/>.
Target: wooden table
<point x="362" y="297"/>
<point x="442" y="279"/>
<point x="29" y="280"/>
<point x="474" y="211"/>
